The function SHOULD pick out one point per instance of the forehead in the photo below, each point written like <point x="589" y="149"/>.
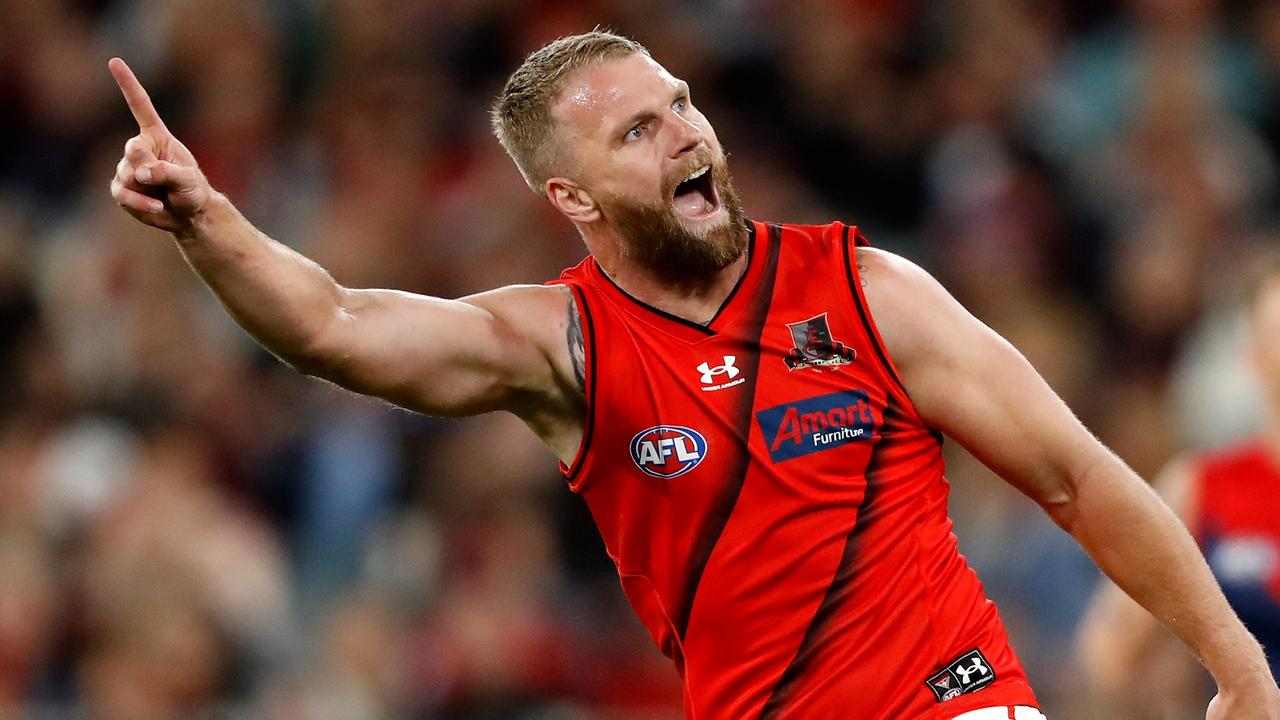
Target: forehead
<point x="596" y="97"/>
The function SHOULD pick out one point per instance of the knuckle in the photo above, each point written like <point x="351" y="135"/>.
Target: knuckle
<point x="135" y="147"/>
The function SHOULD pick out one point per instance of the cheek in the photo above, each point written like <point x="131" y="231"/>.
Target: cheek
<point x="1267" y="364"/>
<point x="638" y="177"/>
<point x="627" y="189"/>
<point x="705" y="126"/>
<point x="1271" y="364"/>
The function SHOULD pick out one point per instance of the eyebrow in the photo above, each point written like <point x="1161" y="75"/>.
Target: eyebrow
<point x="640" y="117"/>
<point x="681" y="90"/>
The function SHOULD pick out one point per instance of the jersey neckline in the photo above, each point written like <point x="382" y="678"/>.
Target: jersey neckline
<point x="729" y="309"/>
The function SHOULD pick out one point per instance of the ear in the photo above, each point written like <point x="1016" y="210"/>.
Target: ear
<point x="572" y="200"/>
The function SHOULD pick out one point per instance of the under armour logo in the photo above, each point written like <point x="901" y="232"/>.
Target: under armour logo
<point x="977" y="667"/>
<point x="709" y="373"/>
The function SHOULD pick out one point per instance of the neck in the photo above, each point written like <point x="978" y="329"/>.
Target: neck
<point x="695" y="299"/>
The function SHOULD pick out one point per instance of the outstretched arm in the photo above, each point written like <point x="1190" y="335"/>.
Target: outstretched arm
<point x="499" y="350"/>
<point x="973" y="385"/>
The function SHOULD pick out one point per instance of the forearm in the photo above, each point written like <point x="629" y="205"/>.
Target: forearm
<point x="284" y="300"/>
<point x="454" y="357"/>
<point x="1142" y="545"/>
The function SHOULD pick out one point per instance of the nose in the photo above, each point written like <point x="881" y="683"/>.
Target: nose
<point x="687" y="136"/>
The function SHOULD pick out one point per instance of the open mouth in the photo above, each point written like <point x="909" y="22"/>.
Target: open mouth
<point x="695" y="197"/>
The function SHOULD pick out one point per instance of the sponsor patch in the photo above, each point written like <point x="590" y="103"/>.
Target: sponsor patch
<point x="799" y="428"/>
<point x="968" y="673"/>
<point x="667" y="451"/>
<point x="814" y="346"/>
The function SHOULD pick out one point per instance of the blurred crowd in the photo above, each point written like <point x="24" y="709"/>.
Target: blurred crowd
<point x="188" y="529"/>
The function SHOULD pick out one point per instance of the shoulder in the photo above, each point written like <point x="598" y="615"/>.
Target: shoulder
<point x="892" y="268"/>
<point x="829" y="236"/>
<point x="532" y="309"/>
<point x="913" y="311"/>
<point x="533" y="321"/>
<point x="542" y="327"/>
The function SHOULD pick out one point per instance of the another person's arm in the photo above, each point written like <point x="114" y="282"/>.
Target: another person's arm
<point x="496" y="350"/>
<point x="1118" y="641"/>
<point x="973" y="385"/>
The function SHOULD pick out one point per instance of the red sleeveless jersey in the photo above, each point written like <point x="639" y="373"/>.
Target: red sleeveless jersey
<point x="1237" y="523"/>
<point x="774" y="504"/>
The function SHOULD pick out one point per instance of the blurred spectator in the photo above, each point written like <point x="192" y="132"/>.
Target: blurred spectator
<point x="188" y="528"/>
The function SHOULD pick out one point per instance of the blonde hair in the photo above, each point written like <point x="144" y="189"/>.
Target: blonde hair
<point x="521" y="116"/>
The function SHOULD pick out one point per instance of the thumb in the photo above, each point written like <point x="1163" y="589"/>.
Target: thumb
<point x="185" y="187"/>
<point x="160" y="173"/>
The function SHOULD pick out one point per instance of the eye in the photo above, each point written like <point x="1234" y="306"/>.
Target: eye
<point x="634" y="133"/>
<point x="680" y="104"/>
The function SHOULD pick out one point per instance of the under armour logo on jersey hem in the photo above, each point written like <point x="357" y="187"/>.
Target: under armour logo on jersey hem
<point x="965" y="674"/>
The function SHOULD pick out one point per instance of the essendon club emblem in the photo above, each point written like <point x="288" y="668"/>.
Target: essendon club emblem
<point x="814" y="346"/>
<point x="968" y="673"/>
<point x="945" y="687"/>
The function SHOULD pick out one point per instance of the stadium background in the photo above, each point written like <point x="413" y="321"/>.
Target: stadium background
<point x="188" y="529"/>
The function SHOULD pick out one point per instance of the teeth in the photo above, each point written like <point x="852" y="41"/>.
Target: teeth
<point x="697" y="173"/>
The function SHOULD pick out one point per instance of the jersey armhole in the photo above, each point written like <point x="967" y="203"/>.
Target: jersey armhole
<point x="864" y="312"/>
<point x="573" y="471"/>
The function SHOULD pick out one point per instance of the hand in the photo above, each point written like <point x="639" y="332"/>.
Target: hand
<point x="1263" y="704"/>
<point x="157" y="181"/>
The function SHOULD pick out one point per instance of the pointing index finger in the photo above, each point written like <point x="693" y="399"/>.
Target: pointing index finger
<point x="134" y="94"/>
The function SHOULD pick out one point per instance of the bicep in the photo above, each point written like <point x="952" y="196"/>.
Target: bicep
<point x="442" y="357"/>
<point x="971" y="384"/>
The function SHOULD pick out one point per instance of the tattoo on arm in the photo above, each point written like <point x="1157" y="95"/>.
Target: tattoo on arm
<point x="862" y="268"/>
<point x="577" y="350"/>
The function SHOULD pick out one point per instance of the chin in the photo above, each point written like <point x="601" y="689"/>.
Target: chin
<point x="698" y="231"/>
<point x="706" y="226"/>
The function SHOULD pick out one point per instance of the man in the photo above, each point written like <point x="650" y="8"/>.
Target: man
<point x="1230" y="498"/>
<point x="779" y="527"/>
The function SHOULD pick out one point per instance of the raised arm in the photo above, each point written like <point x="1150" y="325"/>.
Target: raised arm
<point x="973" y="385"/>
<point x="503" y="349"/>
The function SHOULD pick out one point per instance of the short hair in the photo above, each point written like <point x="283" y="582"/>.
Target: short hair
<point x="521" y="116"/>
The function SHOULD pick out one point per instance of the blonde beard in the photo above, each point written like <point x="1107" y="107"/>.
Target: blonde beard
<point x="654" y="238"/>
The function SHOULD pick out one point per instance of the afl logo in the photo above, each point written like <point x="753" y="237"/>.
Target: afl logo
<point x="667" y="451"/>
